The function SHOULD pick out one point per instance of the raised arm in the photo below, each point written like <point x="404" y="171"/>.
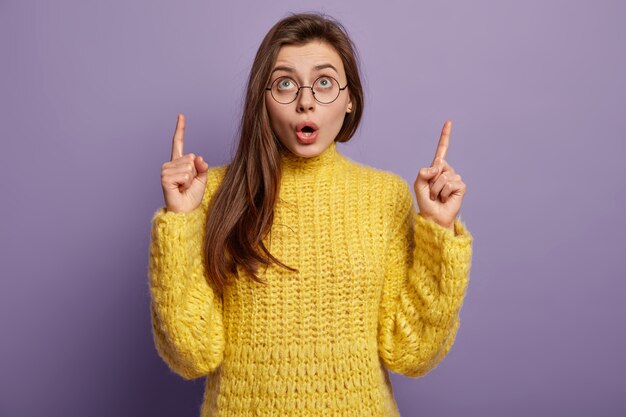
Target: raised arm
<point x="427" y="273"/>
<point x="186" y="313"/>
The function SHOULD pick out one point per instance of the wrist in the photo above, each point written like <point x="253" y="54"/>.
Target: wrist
<point x="449" y="226"/>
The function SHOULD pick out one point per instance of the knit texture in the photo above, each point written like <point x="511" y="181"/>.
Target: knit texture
<point x="379" y="289"/>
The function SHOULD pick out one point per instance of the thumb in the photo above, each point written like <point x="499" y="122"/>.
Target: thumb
<point x="201" y="166"/>
<point x="429" y="173"/>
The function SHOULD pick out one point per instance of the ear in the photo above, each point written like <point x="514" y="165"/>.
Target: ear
<point x="349" y="108"/>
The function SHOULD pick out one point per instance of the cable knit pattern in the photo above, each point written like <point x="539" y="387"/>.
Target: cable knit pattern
<point x="379" y="289"/>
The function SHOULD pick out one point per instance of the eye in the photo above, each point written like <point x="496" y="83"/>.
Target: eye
<point x="324" y="83"/>
<point x="285" y="84"/>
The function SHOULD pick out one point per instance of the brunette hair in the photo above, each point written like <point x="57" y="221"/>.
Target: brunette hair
<point x="241" y="212"/>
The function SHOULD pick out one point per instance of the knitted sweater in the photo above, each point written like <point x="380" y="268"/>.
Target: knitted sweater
<point x="379" y="288"/>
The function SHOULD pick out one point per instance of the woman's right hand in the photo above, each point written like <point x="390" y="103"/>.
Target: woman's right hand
<point x="184" y="177"/>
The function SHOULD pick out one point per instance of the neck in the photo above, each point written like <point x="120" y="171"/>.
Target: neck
<point x="293" y="162"/>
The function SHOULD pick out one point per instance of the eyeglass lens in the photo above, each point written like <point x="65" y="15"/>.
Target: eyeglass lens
<point x="325" y="89"/>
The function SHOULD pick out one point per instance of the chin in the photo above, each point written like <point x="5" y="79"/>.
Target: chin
<point x="310" y="150"/>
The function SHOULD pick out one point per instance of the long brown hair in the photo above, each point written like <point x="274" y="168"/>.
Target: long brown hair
<point x="241" y="212"/>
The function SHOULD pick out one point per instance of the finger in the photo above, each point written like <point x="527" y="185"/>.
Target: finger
<point x="428" y="173"/>
<point x="444" y="141"/>
<point x="450" y="190"/>
<point x="447" y="188"/>
<point x="443" y="166"/>
<point x="182" y="161"/>
<point x="201" y="164"/>
<point x="181" y="168"/>
<point x="181" y="179"/>
<point x="441" y="182"/>
<point x="178" y="140"/>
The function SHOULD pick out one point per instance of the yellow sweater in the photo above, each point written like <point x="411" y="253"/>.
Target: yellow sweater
<point x="379" y="288"/>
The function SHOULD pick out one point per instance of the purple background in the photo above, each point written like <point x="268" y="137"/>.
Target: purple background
<point x="89" y="93"/>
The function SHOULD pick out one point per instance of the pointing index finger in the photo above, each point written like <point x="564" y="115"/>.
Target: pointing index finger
<point x="178" y="140"/>
<point x="444" y="141"/>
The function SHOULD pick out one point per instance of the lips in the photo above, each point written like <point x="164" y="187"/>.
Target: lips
<point x="306" y="132"/>
<point x="306" y="127"/>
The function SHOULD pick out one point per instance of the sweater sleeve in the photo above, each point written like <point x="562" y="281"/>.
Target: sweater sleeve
<point x="427" y="273"/>
<point x="186" y="313"/>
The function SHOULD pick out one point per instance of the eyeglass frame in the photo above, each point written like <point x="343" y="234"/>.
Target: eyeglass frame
<point x="306" y="86"/>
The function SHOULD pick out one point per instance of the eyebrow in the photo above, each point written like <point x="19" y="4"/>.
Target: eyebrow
<point x="316" y="68"/>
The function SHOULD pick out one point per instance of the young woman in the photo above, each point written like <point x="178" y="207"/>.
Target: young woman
<point x="294" y="278"/>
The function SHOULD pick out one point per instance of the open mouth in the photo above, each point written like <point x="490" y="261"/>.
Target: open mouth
<point x="307" y="130"/>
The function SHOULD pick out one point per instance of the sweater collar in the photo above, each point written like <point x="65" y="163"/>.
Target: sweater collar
<point x="293" y="162"/>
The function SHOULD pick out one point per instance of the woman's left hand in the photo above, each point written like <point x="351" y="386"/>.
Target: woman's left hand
<point x="439" y="189"/>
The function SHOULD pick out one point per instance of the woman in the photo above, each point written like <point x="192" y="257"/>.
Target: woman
<point x="354" y="281"/>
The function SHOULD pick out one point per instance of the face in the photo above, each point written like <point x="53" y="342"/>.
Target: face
<point x="299" y="63"/>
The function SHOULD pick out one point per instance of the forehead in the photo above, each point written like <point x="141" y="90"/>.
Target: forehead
<point x="304" y="57"/>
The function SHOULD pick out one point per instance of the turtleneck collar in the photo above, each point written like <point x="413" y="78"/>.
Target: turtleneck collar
<point x="327" y="157"/>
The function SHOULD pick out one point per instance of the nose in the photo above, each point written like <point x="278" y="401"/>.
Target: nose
<point x="305" y="100"/>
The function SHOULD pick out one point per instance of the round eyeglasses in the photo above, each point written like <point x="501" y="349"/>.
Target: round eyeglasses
<point x="325" y="89"/>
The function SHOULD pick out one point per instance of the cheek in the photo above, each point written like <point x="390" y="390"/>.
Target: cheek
<point x="273" y="113"/>
<point x="277" y="120"/>
<point x="339" y="114"/>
